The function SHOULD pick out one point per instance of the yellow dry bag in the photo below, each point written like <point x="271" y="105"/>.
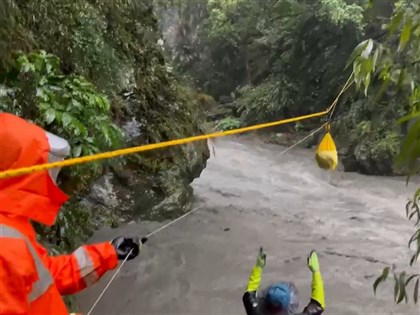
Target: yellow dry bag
<point x="326" y="153"/>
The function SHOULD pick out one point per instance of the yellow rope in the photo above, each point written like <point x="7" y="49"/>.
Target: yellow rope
<point x="171" y="143"/>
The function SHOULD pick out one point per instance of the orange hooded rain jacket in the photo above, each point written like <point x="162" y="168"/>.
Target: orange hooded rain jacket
<point x="31" y="281"/>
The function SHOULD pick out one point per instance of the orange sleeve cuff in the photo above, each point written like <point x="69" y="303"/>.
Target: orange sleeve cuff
<point x="103" y="256"/>
<point x="113" y="260"/>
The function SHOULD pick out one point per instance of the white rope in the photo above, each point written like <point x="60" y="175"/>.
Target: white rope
<point x="183" y="216"/>
<point x="172" y="222"/>
<point x="109" y="283"/>
<point x="125" y="260"/>
<point x="302" y="140"/>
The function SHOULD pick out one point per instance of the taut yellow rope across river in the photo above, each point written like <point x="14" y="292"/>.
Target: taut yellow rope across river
<point x="171" y="143"/>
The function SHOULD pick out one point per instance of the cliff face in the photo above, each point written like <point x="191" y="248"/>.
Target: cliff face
<point x="113" y="47"/>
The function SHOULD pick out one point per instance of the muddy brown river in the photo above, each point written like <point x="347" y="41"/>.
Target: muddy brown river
<point x="251" y="196"/>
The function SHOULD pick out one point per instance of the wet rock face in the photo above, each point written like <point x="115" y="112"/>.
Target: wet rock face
<point x="155" y="186"/>
<point x="360" y="161"/>
<point x="126" y="194"/>
<point x="368" y="166"/>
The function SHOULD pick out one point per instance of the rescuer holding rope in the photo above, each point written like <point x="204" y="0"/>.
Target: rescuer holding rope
<point x="282" y="298"/>
<point x="31" y="281"/>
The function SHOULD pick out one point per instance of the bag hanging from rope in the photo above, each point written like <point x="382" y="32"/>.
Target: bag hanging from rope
<point x="326" y="154"/>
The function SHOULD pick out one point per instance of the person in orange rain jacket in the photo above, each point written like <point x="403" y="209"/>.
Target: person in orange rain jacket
<point x="31" y="281"/>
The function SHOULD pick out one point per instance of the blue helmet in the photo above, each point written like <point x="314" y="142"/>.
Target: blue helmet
<point x="283" y="295"/>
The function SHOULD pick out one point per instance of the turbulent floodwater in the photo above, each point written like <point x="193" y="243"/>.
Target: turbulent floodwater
<point x="250" y="196"/>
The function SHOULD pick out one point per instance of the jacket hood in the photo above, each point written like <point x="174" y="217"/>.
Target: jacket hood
<point x="34" y="196"/>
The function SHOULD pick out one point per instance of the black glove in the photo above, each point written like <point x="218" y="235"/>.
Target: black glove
<point x="128" y="246"/>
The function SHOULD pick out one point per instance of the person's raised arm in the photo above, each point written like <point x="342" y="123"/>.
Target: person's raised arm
<point x="250" y="297"/>
<point x="317" y="304"/>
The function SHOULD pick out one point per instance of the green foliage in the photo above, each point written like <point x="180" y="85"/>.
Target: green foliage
<point x="96" y="57"/>
<point x="413" y="214"/>
<point x="380" y="142"/>
<point x="375" y="148"/>
<point x="387" y="146"/>
<point x="393" y="65"/>
<point x="102" y="40"/>
<point x="242" y="42"/>
<point x="402" y="280"/>
<point x="260" y="103"/>
<point x="228" y="123"/>
<point x="370" y="131"/>
<point x="219" y="24"/>
<point x="340" y="13"/>
<point x="67" y="105"/>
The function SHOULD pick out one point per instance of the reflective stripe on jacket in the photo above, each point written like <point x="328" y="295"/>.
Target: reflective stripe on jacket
<point x="31" y="282"/>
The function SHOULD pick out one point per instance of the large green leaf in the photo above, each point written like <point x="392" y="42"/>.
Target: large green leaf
<point x="407" y="282"/>
<point x="409" y="117"/>
<point x="396" y="287"/>
<point x="401" y="284"/>
<point x="405" y="36"/>
<point x="396" y="22"/>
<point x="66" y="119"/>
<point x="77" y="150"/>
<point x="50" y="115"/>
<point x="381" y="278"/>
